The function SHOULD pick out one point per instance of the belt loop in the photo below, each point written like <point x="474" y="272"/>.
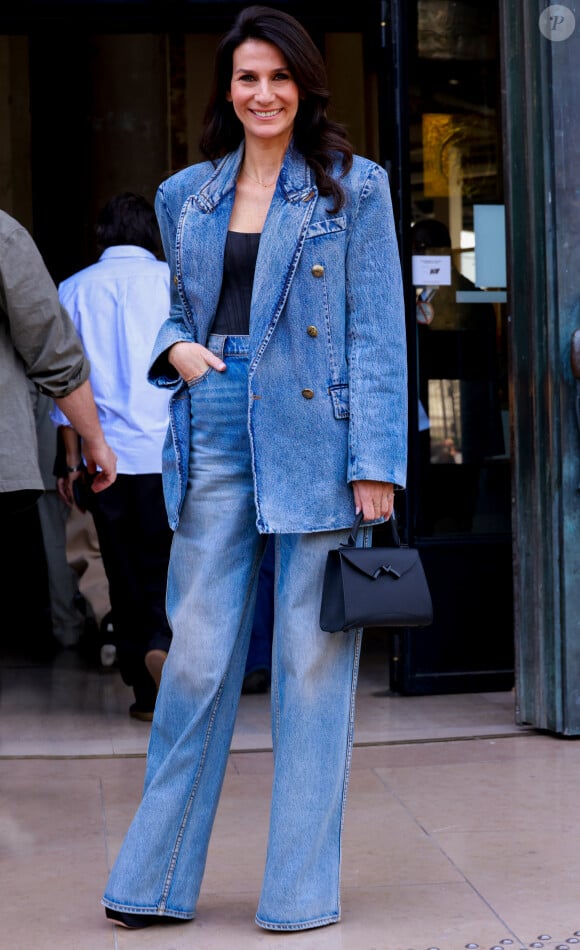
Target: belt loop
<point x="216" y="344"/>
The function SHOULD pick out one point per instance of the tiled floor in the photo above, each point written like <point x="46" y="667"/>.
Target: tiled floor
<point x="461" y="828"/>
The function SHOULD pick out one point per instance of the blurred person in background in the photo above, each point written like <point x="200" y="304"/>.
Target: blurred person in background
<point x="117" y="305"/>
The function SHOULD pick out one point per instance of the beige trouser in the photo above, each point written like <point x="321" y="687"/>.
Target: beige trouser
<point x="84" y="555"/>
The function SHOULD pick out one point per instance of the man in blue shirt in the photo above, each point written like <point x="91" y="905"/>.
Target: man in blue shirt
<point x="117" y="305"/>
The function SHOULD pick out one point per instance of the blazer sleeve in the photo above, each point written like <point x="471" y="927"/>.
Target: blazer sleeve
<point x="176" y="328"/>
<point x="376" y="339"/>
<point x="41" y="330"/>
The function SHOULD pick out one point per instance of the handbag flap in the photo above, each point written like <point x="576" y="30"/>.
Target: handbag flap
<point x="394" y="562"/>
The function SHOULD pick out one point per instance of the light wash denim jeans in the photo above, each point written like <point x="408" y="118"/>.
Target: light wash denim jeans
<point x="213" y="574"/>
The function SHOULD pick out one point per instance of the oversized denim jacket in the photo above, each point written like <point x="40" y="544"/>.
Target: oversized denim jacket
<point x="327" y="388"/>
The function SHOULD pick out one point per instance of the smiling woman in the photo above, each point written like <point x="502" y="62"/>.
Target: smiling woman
<point x="286" y="316"/>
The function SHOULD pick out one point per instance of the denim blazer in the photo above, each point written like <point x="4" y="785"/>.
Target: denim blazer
<point x="327" y="387"/>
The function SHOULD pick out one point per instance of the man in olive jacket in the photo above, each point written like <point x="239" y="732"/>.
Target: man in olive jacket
<point x="38" y="342"/>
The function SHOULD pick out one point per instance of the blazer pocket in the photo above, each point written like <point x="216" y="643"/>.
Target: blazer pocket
<point x="326" y="226"/>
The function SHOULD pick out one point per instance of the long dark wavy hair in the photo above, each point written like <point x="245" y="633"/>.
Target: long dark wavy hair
<point x="318" y="138"/>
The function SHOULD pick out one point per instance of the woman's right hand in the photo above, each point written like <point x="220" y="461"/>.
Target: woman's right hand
<point x="191" y="360"/>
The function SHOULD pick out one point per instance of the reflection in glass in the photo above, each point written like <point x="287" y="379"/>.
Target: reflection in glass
<point x="455" y="161"/>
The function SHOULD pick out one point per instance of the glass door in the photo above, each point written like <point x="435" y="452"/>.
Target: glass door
<point x="459" y="271"/>
<point x="460" y="463"/>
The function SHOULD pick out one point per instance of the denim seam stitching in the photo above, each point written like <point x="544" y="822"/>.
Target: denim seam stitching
<point x="348" y="761"/>
<point x="179" y="840"/>
<point x="303" y="925"/>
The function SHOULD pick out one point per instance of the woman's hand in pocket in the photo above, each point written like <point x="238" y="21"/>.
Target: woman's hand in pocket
<point x="192" y="360"/>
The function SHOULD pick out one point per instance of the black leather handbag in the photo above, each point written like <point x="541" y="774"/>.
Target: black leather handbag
<point x="374" y="587"/>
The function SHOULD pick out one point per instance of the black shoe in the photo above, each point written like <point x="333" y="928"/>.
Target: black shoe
<point x="139" y="921"/>
<point x="137" y="712"/>
<point x="256" y="682"/>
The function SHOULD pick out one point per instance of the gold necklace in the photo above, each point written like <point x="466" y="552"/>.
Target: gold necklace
<point x="246" y="172"/>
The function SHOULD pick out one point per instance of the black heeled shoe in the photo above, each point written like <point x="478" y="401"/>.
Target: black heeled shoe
<point x="139" y="921"/>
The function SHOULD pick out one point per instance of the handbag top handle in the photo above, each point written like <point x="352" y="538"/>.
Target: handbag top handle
<point x="392" y="541"/>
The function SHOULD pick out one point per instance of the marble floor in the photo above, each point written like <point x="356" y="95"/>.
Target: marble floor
<point x="460" y="829"/>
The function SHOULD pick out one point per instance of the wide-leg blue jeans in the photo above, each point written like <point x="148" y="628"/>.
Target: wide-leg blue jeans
<point x="215" y="560"/>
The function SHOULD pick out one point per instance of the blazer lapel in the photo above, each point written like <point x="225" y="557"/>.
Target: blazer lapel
<point x="203" y="231"/>
<point x="204" y="225"/>
<point x="280" y="247"/>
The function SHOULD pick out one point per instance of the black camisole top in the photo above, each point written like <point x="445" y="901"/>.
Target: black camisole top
<point x="233" y="312"/>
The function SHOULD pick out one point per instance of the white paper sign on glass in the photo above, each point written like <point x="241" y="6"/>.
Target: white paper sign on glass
<point x="431" y="270"/>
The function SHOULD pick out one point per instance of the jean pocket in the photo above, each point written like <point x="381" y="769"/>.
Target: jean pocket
<point x="192" y="383"/>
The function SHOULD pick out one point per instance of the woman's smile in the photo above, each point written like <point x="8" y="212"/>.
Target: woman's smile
<point x="266" y="115"/>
